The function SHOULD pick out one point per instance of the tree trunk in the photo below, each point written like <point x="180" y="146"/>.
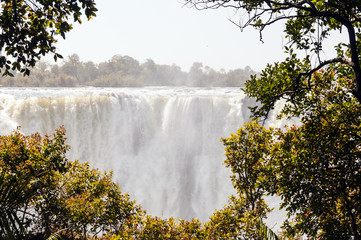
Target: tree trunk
<point x="354" y="58"/>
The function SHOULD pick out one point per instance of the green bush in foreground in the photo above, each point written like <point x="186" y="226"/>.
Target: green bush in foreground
<point x="43" y="193"/>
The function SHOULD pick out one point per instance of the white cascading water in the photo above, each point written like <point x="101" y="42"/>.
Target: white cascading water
<point x="163" y="144"/>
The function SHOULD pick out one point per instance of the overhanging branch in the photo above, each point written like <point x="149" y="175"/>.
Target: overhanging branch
<point x="290" y="94"/>
<point x="321" y="65"/>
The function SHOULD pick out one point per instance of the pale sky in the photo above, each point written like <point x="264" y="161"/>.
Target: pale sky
<point x="169" y="32"/>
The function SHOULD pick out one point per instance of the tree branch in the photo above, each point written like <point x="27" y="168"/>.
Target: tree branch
<point x="321" y="65"/>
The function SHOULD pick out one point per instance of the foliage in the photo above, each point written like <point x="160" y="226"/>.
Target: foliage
<point x="247" y="153"/>
<point x="237" y="220"/>
<point x="89" y="202"/>
<point x="55" y="236"/>
<point x="28" y="165"/>
<point x="234" y="221"/>
<point x="124" y="71"/>
<point x="29" y="29"/>
<point x="12" y="196"/>
<point x="157" y="228"/>
<point x="34" y="157"/>
<point x="43" y="194"/>
<point x="313" y="167"/>
<point x="318" y="164"/>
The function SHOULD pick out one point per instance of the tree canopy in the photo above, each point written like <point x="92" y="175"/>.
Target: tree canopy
<point x="307" y="23"/>
<point x="124" y="71"/>
<point x="313" y="166"/>
<point x="43" y="193"/>
<point x="29" y="29"/>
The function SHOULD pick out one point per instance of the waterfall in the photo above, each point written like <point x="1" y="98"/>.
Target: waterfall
<point x="163" y="144"/>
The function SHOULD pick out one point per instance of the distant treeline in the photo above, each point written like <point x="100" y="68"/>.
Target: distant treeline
<point x="124" y="71"/>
